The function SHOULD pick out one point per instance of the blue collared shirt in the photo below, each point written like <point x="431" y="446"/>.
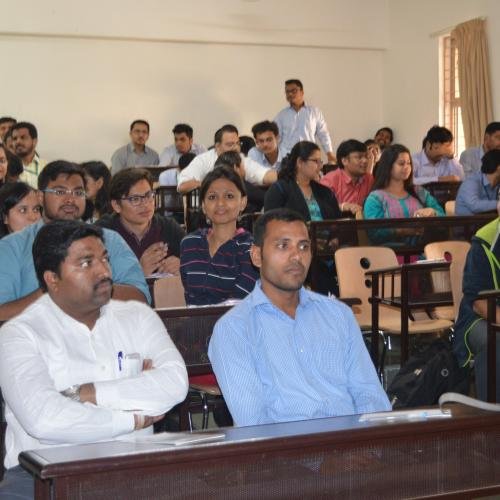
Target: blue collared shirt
<point x="471" y="160"/>
<point x="476" y="195"/>
<point x="258" y="156"/>
<point x="272" y="368"/>
<point x="17" y="271"/>
<point x="424" y="171"/>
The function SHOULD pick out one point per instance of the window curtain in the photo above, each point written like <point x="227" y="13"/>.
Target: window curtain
<point x="474" y="79"/>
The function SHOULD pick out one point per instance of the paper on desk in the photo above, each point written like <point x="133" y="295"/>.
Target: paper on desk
<point x="177" y="438"/>
<point x="409" y="415"/>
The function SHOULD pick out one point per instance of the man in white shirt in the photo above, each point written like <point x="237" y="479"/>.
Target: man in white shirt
<point x="301" y="122"/>
<point x="225" y="139"/>
<point x="266" y="150"/>
<point x="183" y="143"/>
<point x="471" y="158"/>
<point x="75" y="366"/>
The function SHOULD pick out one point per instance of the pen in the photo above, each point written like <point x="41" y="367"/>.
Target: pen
<point x="120" y="357"/>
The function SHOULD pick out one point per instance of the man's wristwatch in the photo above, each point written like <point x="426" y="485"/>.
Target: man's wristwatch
<point x="72" y="392"/>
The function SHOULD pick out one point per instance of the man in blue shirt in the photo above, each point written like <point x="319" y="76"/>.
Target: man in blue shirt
<point x="471" y="158"/>
<point x="62" y="187"/>
<point x="478" y="192"/>
<point x="286" y="353"/>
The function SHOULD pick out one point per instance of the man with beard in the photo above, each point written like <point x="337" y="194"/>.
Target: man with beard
<point x="77" y="367"/>
<point x="25" y="140"/>
<point x="63" y="198"/>
<point x="286" y="353"/>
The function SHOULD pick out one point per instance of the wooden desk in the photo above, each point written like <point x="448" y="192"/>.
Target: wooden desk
<point x="405" y="301"/>
<point x="326" y="458"/>
<point x="443" y="191"/>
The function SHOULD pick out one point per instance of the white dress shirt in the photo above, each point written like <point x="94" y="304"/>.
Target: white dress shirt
<point x="204" y="163"/>
<point x="424" y="171"/>
<point x="169" y="157"/>
<point x="256" y="155"/>
<point x="44" y="351"/>
<point x="307" y="124"/>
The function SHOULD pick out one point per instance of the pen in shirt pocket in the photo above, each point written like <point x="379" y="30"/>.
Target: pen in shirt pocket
<point x="120" y="359"/>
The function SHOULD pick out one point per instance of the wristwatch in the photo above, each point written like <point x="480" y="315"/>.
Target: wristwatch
<point x="72" y="392"/>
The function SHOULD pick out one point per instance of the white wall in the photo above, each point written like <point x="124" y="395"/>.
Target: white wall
<point x="83" y="88"/>
<point x="411" y="64"/>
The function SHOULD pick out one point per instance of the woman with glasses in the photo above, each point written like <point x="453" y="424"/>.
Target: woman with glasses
<point x="19" y="207"/>
<point x="153" y="238"/>
<point x="215" y="261"/>
<point x="298" y="186"/>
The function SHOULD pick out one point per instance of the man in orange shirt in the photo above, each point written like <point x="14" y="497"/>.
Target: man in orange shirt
<point x="350" y="182"/>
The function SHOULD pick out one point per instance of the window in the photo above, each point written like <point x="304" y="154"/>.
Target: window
<point x="450" y="105"/>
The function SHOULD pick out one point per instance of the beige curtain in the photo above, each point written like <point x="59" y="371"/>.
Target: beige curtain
<point x="474" y="79"/>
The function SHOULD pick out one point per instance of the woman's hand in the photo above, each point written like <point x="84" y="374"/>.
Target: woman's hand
<point x="424" y="212"/>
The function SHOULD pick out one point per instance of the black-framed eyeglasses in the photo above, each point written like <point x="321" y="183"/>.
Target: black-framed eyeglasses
<point x="60" y="192"/>
<point x="136" y="199"/>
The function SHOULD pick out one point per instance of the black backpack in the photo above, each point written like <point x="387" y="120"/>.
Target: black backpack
<point x="428" y="373"/>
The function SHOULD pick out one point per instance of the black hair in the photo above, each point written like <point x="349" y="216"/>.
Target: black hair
<point x="98" y="170"/>
<point x="122" y="181"/>
<point x="265" y="126"/>
<point x="492" y="127"/>
<point x="302" y="150"/>
<point x="183" y="128"/>
<point x="347" y="147"/>
<point x="389" y="156"/>
<point x="185" y="160"/>
<point x="246" y="144"/>
<point x="135" y="122"/>
<point x="33" y="132"/>
<point x="281" y="214"/>
<point x="437" y="134"/>
<point x="52" y="243"/>
<point x="490" y="161"/>
<point x="229" y="158"/>
<point x="15" y="165"/>
<point x="7" y="119"/>
<point x="386" y="129"/>
<point x="56" y="168"/>
<point x="294" y="81"/>
<point x="225" y="128"/>
<point x="224" y="172"/>
<point x="11" y="194"/>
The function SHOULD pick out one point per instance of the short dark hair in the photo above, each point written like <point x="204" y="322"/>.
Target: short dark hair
<point x="185" y="160"/>
<point x="183" y="128"/>
<point x="437" y="134"/>
<point x="386" y="129"/>
<point x="246" y="144"/>
<point x="492" y="127"/>
<point x="490" y="161"/>
<point x="347" y="147"/>
<point x="281" y="214"/>
<point x="135" y="122"/>
<point x="15" y="165"/>
<point x="224" y="172"/>
<point x="122" y="181"/>
<point x="56" y="168"/>
<point x="52" y="243"/>
<point x="225" y="128"/>
<point x="265" y="126"/>
<point x="11" y="194"/>
<point x="7" y="119"/>
<point x="228" y="159"/>
<point x="33" y="132"/>
<point x="295" y="81"/>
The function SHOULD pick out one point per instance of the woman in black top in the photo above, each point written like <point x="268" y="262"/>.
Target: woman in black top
<point x="298" y="186"/>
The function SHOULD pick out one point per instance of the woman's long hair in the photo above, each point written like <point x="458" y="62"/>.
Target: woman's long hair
<point x="384" y="168"/>
<point x="98" y="170"/>
<point x="302" y="150"/>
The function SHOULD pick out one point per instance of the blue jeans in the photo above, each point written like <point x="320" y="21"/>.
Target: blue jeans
<point x="17" y="484"/>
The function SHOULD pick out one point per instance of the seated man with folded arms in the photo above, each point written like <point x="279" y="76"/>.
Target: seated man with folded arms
<point x="286" y="353"/>
<point x="481" y="272"/>
<point x="62" y="185"/>
<point x="183" y="144"/>
<point x="435" y="163"/>
<point x="479" y="191"/>
<point x="266" y="150"/>
<point x="226" y="139"/>
<point x="470" y="159"/>
<point x="75" y="366"/>
<point x="154" y="238"/>
<point x="350" y="182"/>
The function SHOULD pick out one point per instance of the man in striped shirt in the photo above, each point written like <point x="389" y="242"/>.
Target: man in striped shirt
<point x="286" y="353"/>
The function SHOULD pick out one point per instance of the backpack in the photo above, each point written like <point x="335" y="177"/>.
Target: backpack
<point x="428" y="373"/>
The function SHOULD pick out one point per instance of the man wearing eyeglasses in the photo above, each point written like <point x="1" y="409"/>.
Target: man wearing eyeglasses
<point x="154" y="239"/>
<point x="62" y="187"/>
<point x="302" y="122"/>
